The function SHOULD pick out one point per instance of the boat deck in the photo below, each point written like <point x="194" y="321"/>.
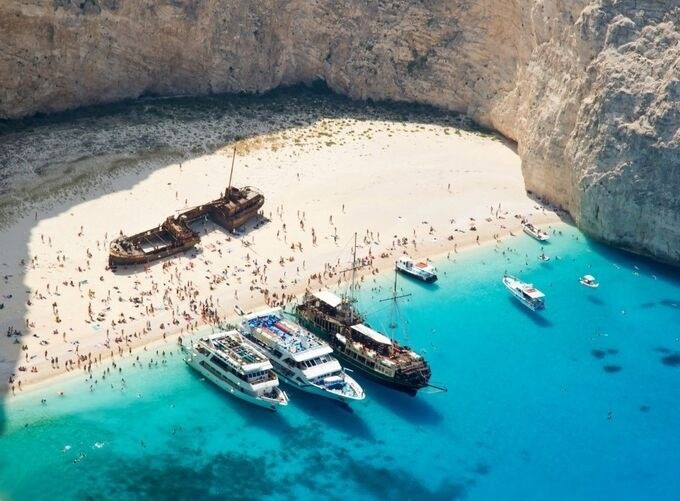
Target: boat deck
<point x="232" y="346"/>
<point x="292" y="337"/>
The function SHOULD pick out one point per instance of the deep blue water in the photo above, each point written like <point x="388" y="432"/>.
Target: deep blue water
<point x="577" y="402"/>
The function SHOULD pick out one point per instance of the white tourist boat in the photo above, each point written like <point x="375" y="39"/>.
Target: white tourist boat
<point x="420" y="270"/>
<point x="534" y="232"/>
<point x="299" y="357"/>
<point x="589" y="281"/>
<point x="526" y="293"/>
<point x="238" y="367"/>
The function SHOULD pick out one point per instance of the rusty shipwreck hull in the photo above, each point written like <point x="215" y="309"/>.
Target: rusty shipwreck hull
<point x="175" y="235"/>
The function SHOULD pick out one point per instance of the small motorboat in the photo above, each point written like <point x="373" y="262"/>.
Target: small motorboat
<point x="420" y="270"/>
<point x="543" y="257"/>
<point x="534" y="232"/>
<point x="589" y="281"/>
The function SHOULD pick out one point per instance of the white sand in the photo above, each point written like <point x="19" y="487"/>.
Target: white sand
<point x="392" y="179"/>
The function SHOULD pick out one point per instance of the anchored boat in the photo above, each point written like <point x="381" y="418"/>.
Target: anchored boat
<point x="526" y="293"/>
<point x="589" y="281"/>
<point x="534" y="232"/>
<point x="238" y="367"/>
<point x="420" y="270"/>
<point x="299" y="357"/>
<point x="358" y="345"/>
<point x="175" y="235"/>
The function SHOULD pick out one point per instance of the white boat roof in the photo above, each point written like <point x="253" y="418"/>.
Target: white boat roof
<point x="320" y="370"/>
<point x="370" y="333"/>
<point x="313" y="353"/>
<point x="532" y="292"/>
<point x="329" y="298"/>
<point x="589" y="277"/>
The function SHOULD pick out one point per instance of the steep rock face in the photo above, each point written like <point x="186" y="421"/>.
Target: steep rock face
<point x="588" y="88"/>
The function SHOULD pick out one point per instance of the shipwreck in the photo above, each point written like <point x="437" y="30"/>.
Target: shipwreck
<point x="175" y="235"/>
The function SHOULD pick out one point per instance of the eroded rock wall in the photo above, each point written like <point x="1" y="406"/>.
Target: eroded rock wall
<point x="588" y="88"/>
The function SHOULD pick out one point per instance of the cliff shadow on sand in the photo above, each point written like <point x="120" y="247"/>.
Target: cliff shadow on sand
<point x="53" y="163"/>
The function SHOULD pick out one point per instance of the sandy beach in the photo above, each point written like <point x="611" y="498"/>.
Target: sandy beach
<point x="404" y="187"/>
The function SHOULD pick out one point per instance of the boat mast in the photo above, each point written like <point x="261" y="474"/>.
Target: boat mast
<point x="231" y="173"/>
<point x="353" y="280"/>
<point x="395" y="307"/>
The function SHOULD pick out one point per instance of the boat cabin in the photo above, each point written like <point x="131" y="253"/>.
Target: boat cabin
<point x="372" y="339"/>
<point x="533" y="295"/>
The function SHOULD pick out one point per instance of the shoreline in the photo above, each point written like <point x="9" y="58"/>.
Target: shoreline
<point x="172" y="336"/>
<point x="401" y="186"/>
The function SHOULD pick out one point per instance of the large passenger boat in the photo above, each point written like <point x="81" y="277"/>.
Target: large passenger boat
<point x="358" y="345"/>
<point x="526" y="293"/>
<point x="238" y="367"/>
<point x="232" y="210"/>
<point x="299" y="357"/>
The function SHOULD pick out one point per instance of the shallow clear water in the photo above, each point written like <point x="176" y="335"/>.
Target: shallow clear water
<point x="577" y="402"/>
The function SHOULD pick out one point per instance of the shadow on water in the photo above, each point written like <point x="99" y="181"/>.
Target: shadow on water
<point x="534" y="316"/>
<point x="636" y="263"/>
<point x="595" y="300"/>
<point x="40" y="158"/>
<point x="258" y="417"/>
<point x="416" y="410"/>
<point x="671" y="303"/>
<point x="331" y="413"/>
<point x="419" y="284"/>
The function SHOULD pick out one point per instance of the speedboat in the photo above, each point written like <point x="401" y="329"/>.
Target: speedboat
<point x="589" y="281"/>
<point x="238" y="367"/>
<point x="299" y="357"/>
<point x="534" y="232"/>
<point x="543" y="257"/>
<point x="420" y="270"/>
<point x="526" y="293"/>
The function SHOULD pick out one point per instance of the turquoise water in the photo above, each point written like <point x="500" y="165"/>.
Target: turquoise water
<point x="577" y="402"/>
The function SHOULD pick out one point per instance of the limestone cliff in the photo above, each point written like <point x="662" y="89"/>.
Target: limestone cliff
<point x="590" y="89"/>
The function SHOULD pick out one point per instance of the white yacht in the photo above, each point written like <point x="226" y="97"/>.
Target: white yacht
<point x="299" y="357"/>
<point x="534" y="232"/>
<point x="527" y="294"/>
<point x="237" y="366"/>
<point x="589" y="281"/>
<point x="420" y="270"/>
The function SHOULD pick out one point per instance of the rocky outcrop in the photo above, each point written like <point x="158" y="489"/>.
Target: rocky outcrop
<point x="589" y="89"/>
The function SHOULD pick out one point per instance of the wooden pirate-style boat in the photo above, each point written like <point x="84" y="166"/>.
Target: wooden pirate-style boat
<point x="359" y="346"/>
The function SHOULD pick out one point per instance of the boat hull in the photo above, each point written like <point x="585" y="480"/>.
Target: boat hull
<point x="338" y="351"/>
<point x="292" y="377"/>
<point x="427" y="279"/>
<point x="511" y="285"/>
<point x="126" y="251"/>
<point x="536" y="236"/>
<point x="266" y="403"/>
<point x="120" y="260"/>
<point x="319" y="392"/>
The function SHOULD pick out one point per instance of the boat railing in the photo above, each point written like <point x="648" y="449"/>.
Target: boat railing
<point x="268" y="376"/>
<point x="294" y="340"/>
